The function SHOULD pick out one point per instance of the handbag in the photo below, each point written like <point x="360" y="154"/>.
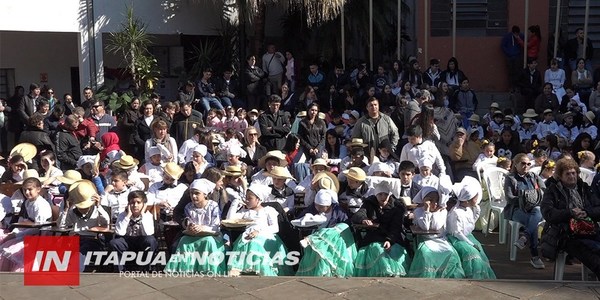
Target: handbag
<point x="583" y="226"/>
<point x="553" y="240"/>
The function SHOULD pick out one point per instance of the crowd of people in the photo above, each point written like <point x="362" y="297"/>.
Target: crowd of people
<point x="367" y="174"/>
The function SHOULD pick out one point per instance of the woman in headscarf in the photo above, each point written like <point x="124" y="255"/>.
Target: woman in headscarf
<point x="259" y="241"/>
<point x="111" y="152"/>
<point x="461" y="223"/>
<point x="383" y="249"/>
<point x="435" y="257"/>
<point x="330" y="250"/>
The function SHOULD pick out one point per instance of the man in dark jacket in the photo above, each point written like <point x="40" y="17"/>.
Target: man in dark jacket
<point x="574" y="50"/>
<point x="68" y="150"/>
<point x="184" y="123"/>
<point x="274" y="125"/>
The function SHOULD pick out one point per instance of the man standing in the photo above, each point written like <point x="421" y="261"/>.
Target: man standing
<point x="274" y="125"/>
<point x="272" y="64"/>
<point x="514" y="55"/>
<point x="375" y="127"/>
<point x="88" y="100"/>
<point x="28" y="104"/>
<point x="530" y="82"/>
<point x="185" y="122"/>
<point x="574" y="50"/>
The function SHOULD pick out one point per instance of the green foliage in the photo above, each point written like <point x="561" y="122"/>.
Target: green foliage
<point x="116" y="101"/>
<point x="132" y="44"/>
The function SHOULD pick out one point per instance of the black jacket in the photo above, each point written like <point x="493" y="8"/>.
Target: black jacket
<point x="279" y="124"/>
<point x="390" y="219"/>
<point x="68" y="150"/>
<point x="142" y="132"/>
<point x="182" y="128"/>
<point x="127" y="125"/>
<point x="253" y="78"/>
<point x="555" y="207"/>
<point x="312" y="136"/>
<point x="38" y="137"/>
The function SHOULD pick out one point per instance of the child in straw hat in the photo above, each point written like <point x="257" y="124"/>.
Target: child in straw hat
<point x="280" y="192"/>
<point x="169" y="191"/>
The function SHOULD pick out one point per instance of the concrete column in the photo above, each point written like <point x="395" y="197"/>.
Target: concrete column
<point x="89" y="43"/>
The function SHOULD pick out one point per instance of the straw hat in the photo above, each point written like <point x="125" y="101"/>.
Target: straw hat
<point x="279" y="173"/>
<point x="69" y="177"/>
<point x="27" y="150"/>
<point x="474" y="118"/>
<point x="301" y="114"/>
<point x="31" y="173"/>
<point x="276" y="154"/>
<point x="81" y="192"/>
<point x="356" y="174"/>
<point x="322" y="116"/>
<point x="590" y="116"/>
<point x="234" y="171"/>
<point x="356" y="142"/>
<point x="548" y="111"/>
<point x="498" y="113"/>
<point x="530" y="113"/>
<point x="509" y="118"/>
<point x="528" y="121"/>
<point x="173" y="169"/>
<point x="495" y="105"/>
<point x="126" y="162"/>
<point x="253" y="111"/>
<point x="461" y="130"/>
<point x="319" y="162"/>
<point x="327" y="180"/>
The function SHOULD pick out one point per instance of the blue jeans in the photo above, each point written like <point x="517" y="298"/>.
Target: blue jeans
<point x="530" y="220"/>
<point x="208" y="102"/>
<point x="226" y="101"/>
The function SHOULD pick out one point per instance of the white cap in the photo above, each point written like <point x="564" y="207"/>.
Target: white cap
<point x="345" y="116"/>
<point x="260" y="190"/>
<point x="236" y="151"/>
<point x="326" y="197"/>
<point x="200" y="148"/>
<point x="153" y="151"/>
<point x="355" y="114"/>
<point x="380" y="167"/>
<point x="203" y="185"/>
<point x="425" y="161"/>
<point x="383" y="187"/>
<point x="85" y="159"/>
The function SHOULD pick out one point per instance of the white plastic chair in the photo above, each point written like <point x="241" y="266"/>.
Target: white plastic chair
<point x="514" y="236"/>
<point x="494" y="179"/>
<point x="586" y="175"/>
<point x="559" y="268"/>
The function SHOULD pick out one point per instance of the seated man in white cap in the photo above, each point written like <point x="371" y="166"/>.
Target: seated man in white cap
<point x="352" y="198"/>
<point x="168" y="192"/>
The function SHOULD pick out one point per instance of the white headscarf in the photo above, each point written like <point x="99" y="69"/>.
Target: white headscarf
<point x="204" y="185"/>
<point x="423" y="193"/>
<point x="326" y="197"/>
<point x="260" y="190"/>
<point x="468" y="188"/>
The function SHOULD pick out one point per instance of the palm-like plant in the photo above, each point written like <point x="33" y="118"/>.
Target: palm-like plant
<point x="132" y="43"/>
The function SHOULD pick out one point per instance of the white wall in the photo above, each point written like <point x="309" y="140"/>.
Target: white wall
<point x="52" y="53"/>
<point x="39" y="15"/>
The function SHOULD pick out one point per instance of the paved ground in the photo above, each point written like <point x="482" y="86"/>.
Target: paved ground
<point x="517" y="280"/>
<point x="110" y="286"/>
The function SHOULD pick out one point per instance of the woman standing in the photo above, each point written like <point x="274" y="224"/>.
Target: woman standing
<point x="254" y="76"/>
<point x="570" y="201"/>
<point x="142" y="130"/>
<point x="524" y="191"/>
<point x="312" y="132"/>
<point x="127" y="124"/>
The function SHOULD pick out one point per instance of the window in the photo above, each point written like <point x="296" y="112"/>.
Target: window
<point x="473" y="17"/>
<point x="7" y="83"/>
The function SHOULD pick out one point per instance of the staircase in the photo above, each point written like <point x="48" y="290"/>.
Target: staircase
<point x="576" y="18"/>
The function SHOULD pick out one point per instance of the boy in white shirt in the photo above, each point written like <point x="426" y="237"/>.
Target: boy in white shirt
<point x="134" y="228"/>
<point x="588" y="125"/>
<point x="116" y="198"/>
<point x="548" y="126"/>
<point x="168" y="192"/>
<point x="567" y="129"/>
<point x="527" y="130"/>
<point x="417" y="148"/>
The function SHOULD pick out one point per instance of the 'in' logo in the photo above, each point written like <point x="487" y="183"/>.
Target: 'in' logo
<point x="51" y="260"/>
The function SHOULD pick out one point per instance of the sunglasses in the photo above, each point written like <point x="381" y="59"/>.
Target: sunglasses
<point x="525" y="163"/>
<point x="253" y="134"/>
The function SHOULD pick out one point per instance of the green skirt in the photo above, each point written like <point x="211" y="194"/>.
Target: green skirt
<point x="330" y="252"/>
<point x="475" y="263"/>
<point x="263" y="255"/>
<point x="436" y="258"/>
<point x="198" y="255"/>
<point x="374" y="261"/>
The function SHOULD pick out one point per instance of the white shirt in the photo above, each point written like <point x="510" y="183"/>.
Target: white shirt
<point x="38" y="211"/>
<point x="544" y="129"/>
<point x="209" y="215"/>
<point x="265" y="220"/>
<point x="117" y="201"/>
<point x="122" y="227"/>
<point x="154" y="173"/>
<point x="185" y="152"/>
<point x="431" y="220"/>
<point x="592" y="130"/>
<point x="431" y="180"/>
<point x="165" y="153"/>
<point x="461" y="222"/>
<point x="97" y="216"/>
<point x="414" y="153"/>
<point x="169" y="195"/>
